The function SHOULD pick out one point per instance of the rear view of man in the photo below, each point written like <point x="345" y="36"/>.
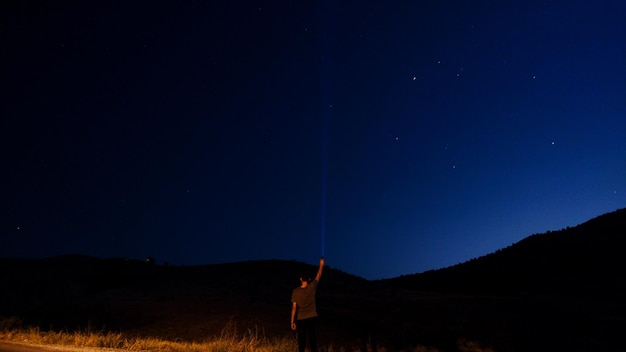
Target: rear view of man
<point x="303" y="310"/>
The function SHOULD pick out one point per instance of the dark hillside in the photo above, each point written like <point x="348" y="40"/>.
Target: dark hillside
<point x="584" y="260"/>
<point x="196" y="302"/>
<point x="562" y="290"/>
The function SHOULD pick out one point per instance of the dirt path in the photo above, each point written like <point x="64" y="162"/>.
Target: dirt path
<point x="17" y="347"/>
<point x="14" y="347"/>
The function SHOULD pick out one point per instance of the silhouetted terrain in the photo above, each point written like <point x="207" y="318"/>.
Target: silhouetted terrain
<point x="583" y="260"/>
<point x="562" y="290"/>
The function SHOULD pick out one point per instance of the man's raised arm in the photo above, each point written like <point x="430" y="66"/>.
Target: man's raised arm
<point x="319" y="271"/>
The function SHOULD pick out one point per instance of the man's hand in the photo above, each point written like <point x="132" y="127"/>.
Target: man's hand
<point x="294" y="307"/>
<point x="319" y="270"/>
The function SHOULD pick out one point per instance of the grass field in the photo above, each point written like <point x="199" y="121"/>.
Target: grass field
<point x="229" y="340"/>
<point x="85" y="303"/>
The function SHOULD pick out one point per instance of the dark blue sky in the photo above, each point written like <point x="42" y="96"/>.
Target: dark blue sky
<point x="198" y="133"/>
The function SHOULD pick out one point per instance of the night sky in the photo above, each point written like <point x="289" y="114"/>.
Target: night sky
<point x="394" y="137"/>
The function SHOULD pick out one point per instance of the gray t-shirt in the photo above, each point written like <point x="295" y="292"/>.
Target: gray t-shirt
<point x="305" y="301"/>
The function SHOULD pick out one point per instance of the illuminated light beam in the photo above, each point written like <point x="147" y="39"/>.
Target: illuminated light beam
<point x="325" y="109"/>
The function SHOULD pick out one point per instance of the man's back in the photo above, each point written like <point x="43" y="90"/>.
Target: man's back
<point x="305" y="300"/>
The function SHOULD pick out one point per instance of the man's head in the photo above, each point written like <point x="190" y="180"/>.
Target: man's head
<point x="306" y="277"/>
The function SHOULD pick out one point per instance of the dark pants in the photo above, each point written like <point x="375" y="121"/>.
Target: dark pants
<point x="307" y="327"/>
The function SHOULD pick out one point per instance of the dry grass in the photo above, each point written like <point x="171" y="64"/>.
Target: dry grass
<point x="230" y="340"/>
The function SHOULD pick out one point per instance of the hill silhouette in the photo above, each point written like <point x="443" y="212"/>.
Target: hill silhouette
<point x="176" y="302"/>
<point x="562" y="290"/>
<point x="581" y="260"/>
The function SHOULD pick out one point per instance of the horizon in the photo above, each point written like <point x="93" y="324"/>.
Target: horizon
<point x="165" y="263"/>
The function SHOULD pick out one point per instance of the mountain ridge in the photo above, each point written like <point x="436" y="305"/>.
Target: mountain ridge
<point x="592" y="251"/>
<point x="566" y="282"/>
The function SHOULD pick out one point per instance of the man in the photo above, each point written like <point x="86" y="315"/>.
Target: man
<point x="303" y="310"/>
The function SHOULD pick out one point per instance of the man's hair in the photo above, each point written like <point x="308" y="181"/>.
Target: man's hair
<point x="306" y="276"/>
